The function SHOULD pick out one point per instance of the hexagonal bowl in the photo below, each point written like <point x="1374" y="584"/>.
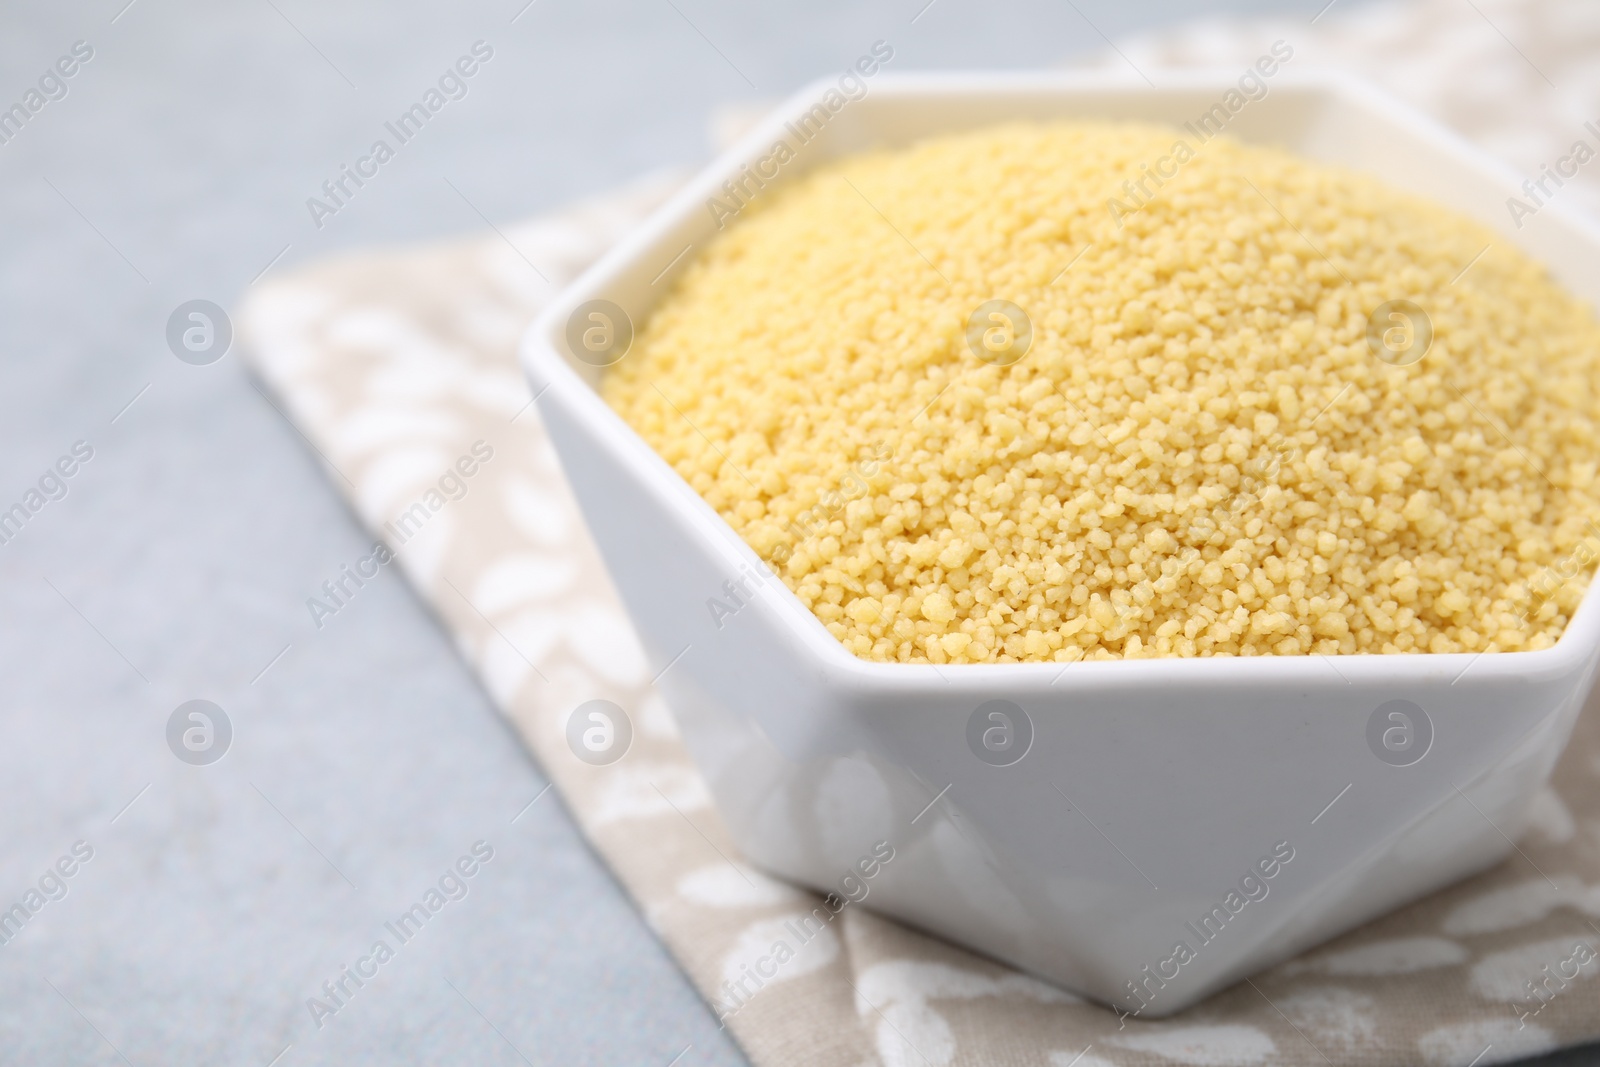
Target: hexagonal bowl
<point x="1243" y="808"/>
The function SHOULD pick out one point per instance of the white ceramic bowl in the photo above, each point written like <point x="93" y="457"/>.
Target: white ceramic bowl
<point x="1148" y="790"/>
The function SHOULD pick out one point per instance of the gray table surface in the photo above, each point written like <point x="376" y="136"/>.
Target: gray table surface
<point x="219" y="898"/>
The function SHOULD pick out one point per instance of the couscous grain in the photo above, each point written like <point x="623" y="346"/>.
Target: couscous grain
<point x="1199" y="453"/>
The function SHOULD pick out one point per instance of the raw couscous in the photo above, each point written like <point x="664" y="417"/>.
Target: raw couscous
<point x="1189" y="448"/>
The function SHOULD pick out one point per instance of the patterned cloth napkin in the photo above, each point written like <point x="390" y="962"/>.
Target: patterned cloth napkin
<point x="398" y="368"/>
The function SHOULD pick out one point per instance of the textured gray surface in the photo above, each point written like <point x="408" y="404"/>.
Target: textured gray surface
<point x="366" y="759"/>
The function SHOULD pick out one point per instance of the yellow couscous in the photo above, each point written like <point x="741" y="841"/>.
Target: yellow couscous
<point x="1005" y="396"/>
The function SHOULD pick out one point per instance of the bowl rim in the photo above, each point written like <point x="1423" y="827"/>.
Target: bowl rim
<point x="555" y="381"/>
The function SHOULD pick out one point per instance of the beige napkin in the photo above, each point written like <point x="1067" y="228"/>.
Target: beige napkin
<point x="398" y="367"/>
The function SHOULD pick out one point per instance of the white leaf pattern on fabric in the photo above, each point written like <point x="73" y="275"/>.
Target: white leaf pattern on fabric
<point x="373" y="328"/>
<point x="897" y="993"/>
<point x="648" y="791"/>
<point x="1226" y="1045"/>
<point x="1335" y="1019"/>
<point x="777" y="950"/>
<point x="541" y="514"/>
<point x="284" y="317"/>
<point x="1504" y="976"/>
<point x="368" y="428"/>
<point x="726" y="885"/>
<point x="1078" y="1059"/>
<point x="418" y="374"/>
<point x="1458" y="1044"/>
<point x="513" y="651"/>
<point x="1521" y="904"/>
<point x="394" y="482"/>
<point x="514" y="580"/>
<point x="1400" y="955"/>
<point x="498" y="392"/>
<point x="422" y="555"/>
<point x="600" y="635"/>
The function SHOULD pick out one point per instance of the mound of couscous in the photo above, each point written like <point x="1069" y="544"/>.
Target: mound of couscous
<point x="1006" y="396"/>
